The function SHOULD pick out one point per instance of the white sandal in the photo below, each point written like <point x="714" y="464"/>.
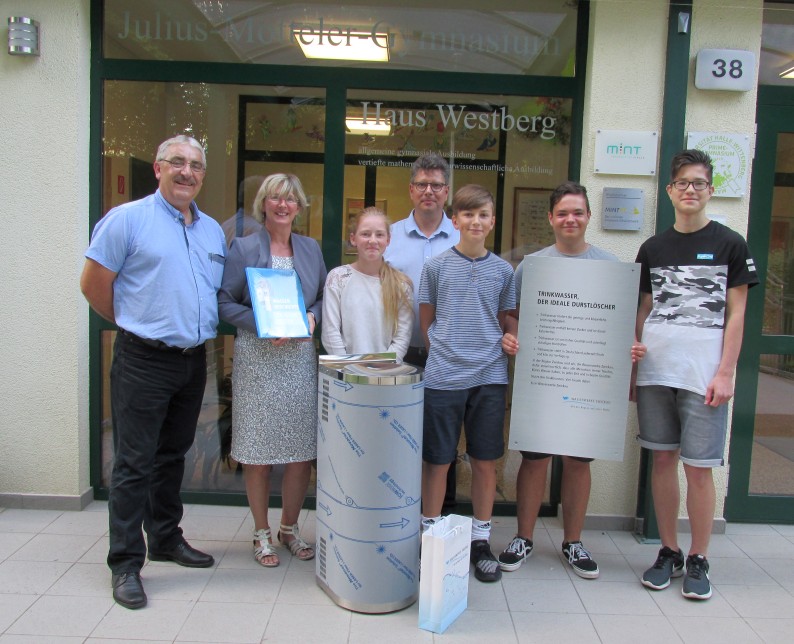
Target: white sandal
<point x="264" y="548"/>
<point x="298" y="547"/>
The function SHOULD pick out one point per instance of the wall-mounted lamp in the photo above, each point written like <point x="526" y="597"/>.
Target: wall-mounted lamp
<point x="341" y="43"/>
<point x="23" y="36"/>
<point x="788" y="74"/>
<point x="357" y="125"/>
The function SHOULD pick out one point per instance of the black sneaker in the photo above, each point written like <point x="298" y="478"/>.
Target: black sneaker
<point x="580" y="560"/>
<point x="696" y="583"/>
<point x="486" y="567"/>
<point x="516" y="552"/>
<point x="668" y="564"/>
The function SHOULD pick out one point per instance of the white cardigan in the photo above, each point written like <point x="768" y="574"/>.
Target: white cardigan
<point x="353" y="316"/>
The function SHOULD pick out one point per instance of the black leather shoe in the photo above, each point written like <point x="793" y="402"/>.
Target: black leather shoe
<point x="185" y="555"/>
<point x="128" y="590"/>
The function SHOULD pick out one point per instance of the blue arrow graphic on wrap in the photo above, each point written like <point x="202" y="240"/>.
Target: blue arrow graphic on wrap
<point x="345" y="385"/>
<point x="398" y="524"/>
<point x="325" y="509"/>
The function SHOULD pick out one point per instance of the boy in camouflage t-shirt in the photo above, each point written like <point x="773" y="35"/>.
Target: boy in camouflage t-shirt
<point x="693" y="291"/>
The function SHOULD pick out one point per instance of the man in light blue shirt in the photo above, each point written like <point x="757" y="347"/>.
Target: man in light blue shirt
<point x="425" y="233"/>
<point x="153" y="268"/>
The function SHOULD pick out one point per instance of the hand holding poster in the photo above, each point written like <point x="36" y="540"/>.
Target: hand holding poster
<point x="573" y="368"/>
<point x="277" y="300"/>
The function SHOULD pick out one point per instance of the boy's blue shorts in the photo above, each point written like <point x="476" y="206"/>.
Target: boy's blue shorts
<point x="481" y="411"/>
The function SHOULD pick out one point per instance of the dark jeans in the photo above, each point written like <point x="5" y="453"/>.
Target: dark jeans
<point x="418" y="356"/>
<point x="156" y="398"/>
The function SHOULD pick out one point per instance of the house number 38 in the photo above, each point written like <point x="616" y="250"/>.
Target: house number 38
<point x="733" y="68"/>
<point x="725" y="69"/>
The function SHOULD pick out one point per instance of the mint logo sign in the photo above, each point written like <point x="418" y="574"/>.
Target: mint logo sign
<point x="730" y="155"/>
<point x="623" y="150"/>
<point x="626" y="152"/>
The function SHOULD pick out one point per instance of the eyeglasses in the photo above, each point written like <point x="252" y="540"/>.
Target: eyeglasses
<point x="698" y="184"/>
<point x="178" y="163"/>
<point x="421" y="186"/>
<point x="291" y="201"/>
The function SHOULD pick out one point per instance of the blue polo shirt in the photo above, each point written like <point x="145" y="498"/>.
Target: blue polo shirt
<point x="409" y="250"/>
<point x="168" y="274"/>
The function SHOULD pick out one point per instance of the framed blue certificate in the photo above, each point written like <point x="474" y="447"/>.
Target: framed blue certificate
<point x="277" y="300"/>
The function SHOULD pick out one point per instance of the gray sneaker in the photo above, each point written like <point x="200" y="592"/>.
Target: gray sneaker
<point x="668" y="564"/>
<point x="696" y="583"/>
<point x="486" y="567"/>
<point x="516" y="552"/>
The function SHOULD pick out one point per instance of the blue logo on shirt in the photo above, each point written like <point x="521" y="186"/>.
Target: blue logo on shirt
<point x="705" y="256"/>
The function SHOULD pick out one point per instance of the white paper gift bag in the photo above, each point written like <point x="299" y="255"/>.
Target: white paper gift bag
<point x="444" y="573"/>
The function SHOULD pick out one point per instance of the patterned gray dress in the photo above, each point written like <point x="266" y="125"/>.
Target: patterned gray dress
<point x="274" y="398"/>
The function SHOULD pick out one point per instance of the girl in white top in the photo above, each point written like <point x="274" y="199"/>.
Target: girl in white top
<point x="368" y="305"/>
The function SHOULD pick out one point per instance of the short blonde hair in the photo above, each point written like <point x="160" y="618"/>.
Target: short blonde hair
<point x="278" y="185"/>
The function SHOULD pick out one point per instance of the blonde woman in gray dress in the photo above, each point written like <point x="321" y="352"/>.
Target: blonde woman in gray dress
<point x="274" y="381"/>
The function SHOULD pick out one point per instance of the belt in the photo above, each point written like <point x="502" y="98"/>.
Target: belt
<point x="159" y="345"/>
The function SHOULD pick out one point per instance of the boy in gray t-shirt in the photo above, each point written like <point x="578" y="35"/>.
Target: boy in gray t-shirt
<point x="569" y="214"/>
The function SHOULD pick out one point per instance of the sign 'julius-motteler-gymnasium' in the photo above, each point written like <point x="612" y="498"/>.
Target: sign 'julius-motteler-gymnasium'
<point x="573" y="367"/>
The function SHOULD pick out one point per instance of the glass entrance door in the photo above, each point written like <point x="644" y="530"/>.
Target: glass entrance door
<point x="761" y="484"/>
<point x="498" y="92"/>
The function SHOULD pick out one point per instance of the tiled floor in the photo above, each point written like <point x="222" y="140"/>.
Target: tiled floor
<point x="55" y="587"/>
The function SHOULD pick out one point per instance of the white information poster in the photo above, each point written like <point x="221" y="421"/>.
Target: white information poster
<point x="573" y="368"/>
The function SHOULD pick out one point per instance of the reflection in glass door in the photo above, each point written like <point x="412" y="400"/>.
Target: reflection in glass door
<point x="517" y="147"/>
<point x="249" y="132"/>
<point x="772" y="463"/>
<point x="761" y="484"/>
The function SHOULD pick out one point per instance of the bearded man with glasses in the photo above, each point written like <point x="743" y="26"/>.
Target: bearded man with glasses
<point x="153" y="268"/>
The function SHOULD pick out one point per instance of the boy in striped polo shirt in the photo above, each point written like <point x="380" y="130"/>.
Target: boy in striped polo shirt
<point x="464" y="296"/>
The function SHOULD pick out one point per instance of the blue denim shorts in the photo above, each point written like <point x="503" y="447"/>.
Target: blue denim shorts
<point x="481" y="412"/>
<point x="672" y="418"/>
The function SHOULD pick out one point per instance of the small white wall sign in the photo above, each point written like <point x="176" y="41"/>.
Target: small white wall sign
<point x="622" y="208"/>
<point x="725" y="69"/>
<point x="626" y="152"/>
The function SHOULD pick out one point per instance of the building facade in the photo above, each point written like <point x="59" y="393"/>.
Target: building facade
<point x="520" y="97"/>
